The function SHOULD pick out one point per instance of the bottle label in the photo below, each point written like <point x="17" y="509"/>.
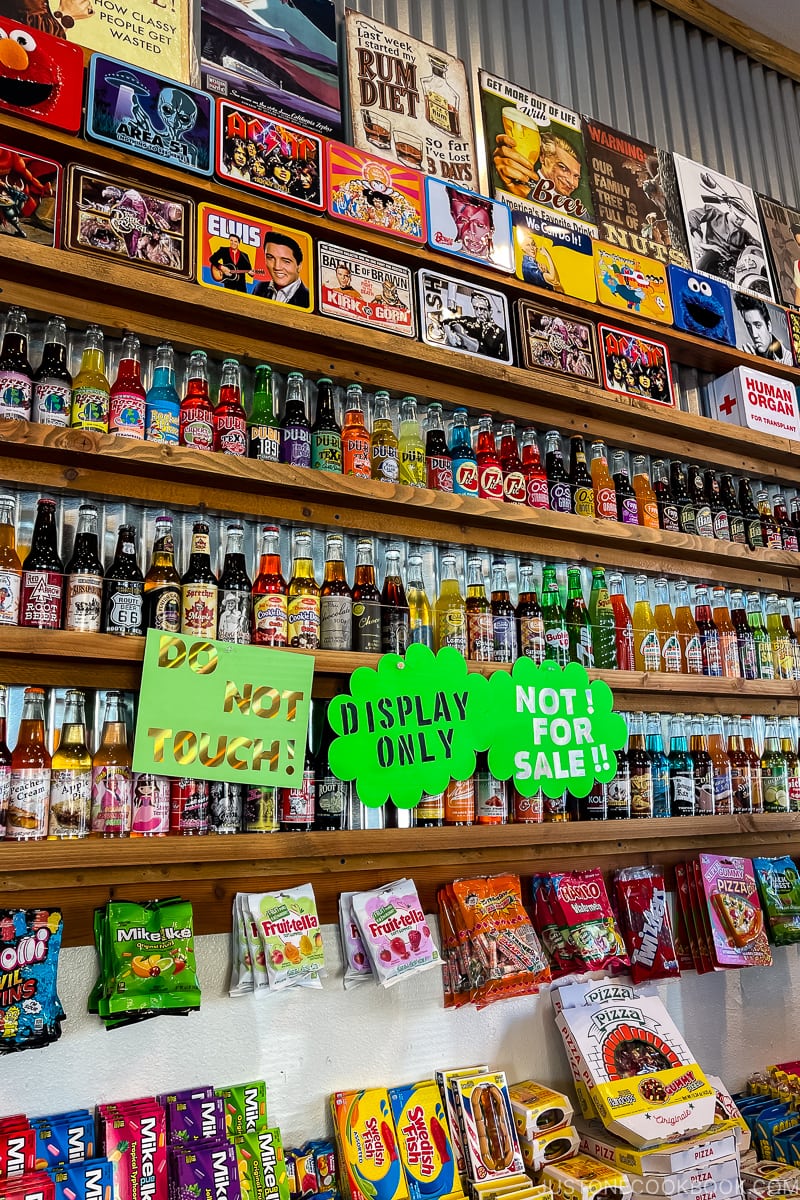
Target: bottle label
<point x="199" y="609"/>
<point x="465" y="477"/>
<point x="165" y="608"/>
<point x="27" y="803"/>
<point x="660" y="791"/>
<point x="480" y="636"/>
<point x="536" y="493"/>
<point x="126" y="412"/>
<point x="10" y="584"/>
<point x="5" y="794"/>
<point x="163" y="426"/>
<point x="650" y="651"/>
<point x="561" y="497"/>
<point x="755" y="536"/>
<point x="303" y="614"/>
<point x="70" y="803"/>
<point x="326" y="451"/>
<point x="669" y="518"/>
<point x="531" y="638"/>
<point x="671" y="654"/>
<point x="296" y="445"/>
<point x="201" y="543"/>
<point x="584" y="502"/>
<point x="556" y="640"/>
<point x="741" y="792"/>
<point x="394" y="631"/>
<point x="459" y="802"/>
<point x="231" y="436"/>
<point x="703" y="790"/>
<point x="775" y="784"/>
<point x="584" y="650"/>
<point x="196" y="429"/>
<point x="490" y="481"/>
<point x="686" y="518"/>
<point x="783" y="657"/>
<point x="504" y="630"/>
<point x="89" y="409"/>
<point x="270" y="620"/>
<point x="355" y="456"/>
<point x="737" y="530"/>
<point x="297" y="804"/>
<point x="150" y="805"/>
<point x="422" y="634"/>
<point x="234" y="617"/>
<point x="528" y="810"/>
<point x="748" y="656"/>
<point x="515" y="488"/>
<point x="730" y="655"/>
<point x="412" y="466"/>
<point x="641" y="794"/>
<point x="264" y="443"/>
<point x="491" y="800"/>
<point x="681" y="784"/>
<point x="618" y="796"/>
<point x="332" y="796"/>
<point x="224" y="806"/>
<point x="694" y="655"/>
<point x="188" y="806"/>
<point x="83" y="603"/>
<point x="439" y="473"/>
<point x="112" y="790"/>
<point x="773" y="537"/>
<point x="712" y="657"/>
<point x="704" y="524"/>
<point x="789" y="539"/>
<point x="261" y="810"/>
<point x="40" y="599"/>
<point x="335" y="623"/>
<point x="431" y="808"/>
<point x="722" y="792"/>
<point x="605" y="503"/>
<point x="630" y="511"/>
<point x="52" y="400"/>
<point x="722" y="529"/>
<point x="766" y="666"/>
<point x="794" y="791"/>
<point x="384" y="465"/>
<point x="125" y="606"/>
<point x="367" y="626"/>
<point x="16" y="395"/>
<point x="453" y="629"/>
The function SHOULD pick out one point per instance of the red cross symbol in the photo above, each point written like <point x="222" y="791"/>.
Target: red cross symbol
<point x="727" y="405"/>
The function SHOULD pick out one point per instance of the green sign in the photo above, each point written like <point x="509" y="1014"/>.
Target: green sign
<point x="416" y="722"/>
<point x="214" y="710"/>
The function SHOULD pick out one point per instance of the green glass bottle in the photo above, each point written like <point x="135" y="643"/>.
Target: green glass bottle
<point x="604" y="630"/>
<point x="263" y="426"/>
<point x="579" y="625"/>
<point x="774" y="771"/>
<point x="755" y="619"/>
<point x="556" y="638"/>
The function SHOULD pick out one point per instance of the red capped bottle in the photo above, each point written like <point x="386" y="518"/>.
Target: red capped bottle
<point x="196" y="415"/>
<point x="355" y="436"/>
<point x="230" y="419"/>
<point x="464" y="462"/>
<point x="270" y="617"/>
<point x="514" y="482"/>
<point x="126" y="398"/>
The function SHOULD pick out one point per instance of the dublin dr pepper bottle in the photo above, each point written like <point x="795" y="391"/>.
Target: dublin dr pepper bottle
<point x="230" y="419"/>
<point x="263" y="426"/>
<point x="326" y="436"/>
<point x="196" y="415"/>
<point x="295" y="429"/>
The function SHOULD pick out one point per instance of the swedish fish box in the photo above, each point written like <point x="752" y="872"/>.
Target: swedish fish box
<point x="262" y="1165"/>
<point x="369" y="1165"/>
<point x="424" y="1142"/>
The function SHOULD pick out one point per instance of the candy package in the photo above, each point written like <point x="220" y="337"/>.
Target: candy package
<point x="248" y="968"/>
<point x="582" y="911"/>
<point x="551" y="933"/>
<point x="778" y="882"/>
<point x="644" y="920"/>
<point x="358" y="968"/>
<point x="94" y="1177"/>
<point x="262" y="1166"/>
<point x="245" y="1107"/>
<point x="395" y="931"/>
<point x="290" y="937"/>
<point x="30" y="1010"/>
<point x="738" y="937"/>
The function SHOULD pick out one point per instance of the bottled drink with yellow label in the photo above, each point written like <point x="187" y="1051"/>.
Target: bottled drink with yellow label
<point x="270" y="619"/>
<point x="411" y="447"/>
<point x="199" y="588"/>
<point x="303" y="596"/>
<point x="580" y="481"/>
<point x="480" y="634"/>
<point x="90" y="387"/>
<point x="450" y="615"/>
<point x="420" y="614"/>
<point x="71" y="774"/>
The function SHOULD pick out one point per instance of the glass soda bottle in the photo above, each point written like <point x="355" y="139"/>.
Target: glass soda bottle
<point x="667" y="508"/>
<point x="394" y="606"/>
<point x="741" y="769"/>
<point x="530" y="622"/>
<point x="580" y="481"/>
<point x="745" y="641"/>
<point x="770" y="532"/>
<point x="41" y="589"/>
<point x="774" y="771"/>
<point x="720" y="768"/>
<point x="263" y="426"/>
<point x="618" y="790"/>
<point x="750" y="516"/>
<point x="162" y="583"/>
<point x="787" y="530"/>
<point x="235" y="590"/>
<point x="52" y="382"/>
<point x="410" y="446"/>
<point x="335" y="599"/>
<point x="196" y="414"/>
<point x="754" y="756"/>
<point x="419" y="607"/>
<point x="163" y="404"/>
<point x="83" y="594"/>
<point x="5" y="761"/>
<point x="556" y="636"/>
<point x="29" y="796"/>
<point x="459" y="802"/>
<point x="728" y="643"/>
<point x="537" y="494"/>
<point x="732" y="507"/>
<point x="579" y="625"/>
<point x="667" y="630"/>
<point x="366" y="601"/>
<point x="71" y="774"/>
<point x="782" y="652"/>
<point x="703" y="769"/>
<point x="755" y="619"/>
<point x="641" y="769"/>
<point x="333" y="795"/>
<point x="559" y="491"/>
<point x="199" y="587"/>
<point x="514" y="482"/>
<point x="710" y="643"/>
<point x="295" y="428"/>
<point x="230" y="419"/>
<point x="605" y="496"/>
<point x="465" y="463"/>
<point x="659" y="765"/>
<point x="504" y="621"/>
<point x="681" y="770"/>
<point x="783" y="608"/>
<point x="438" y="463"/>
<point x="683" y="501"/>
<point x="112" y="775"/>
<point x="10" y="565"/>
<point x="688" y="633"/>
<point x="303" y="596"/>
<point x="355" y="437"/>
<point x="601" y="616"/>
<point x="646" y="643"/>
<point x="789" y="752"/>
<point x="383" y="445"/>
<point x="490" y="473"/>
<point x="450" y="612"/>
<point x="646" y="500"/>
<point x="90" y="387"/>
<point x="627" y="507"/>
<point x="16" y="373"/>
<point x="704" y="524"/>
<point x="126" y="399"/>
<point x="623" y="622"/>
<point x="297" y="804"/>
<point x="719" y="513"/>
<point x="150" y="805"/>
<point x="480" y="633"/>
<point x="270" y="612"/>
<point x="123" y="589"/>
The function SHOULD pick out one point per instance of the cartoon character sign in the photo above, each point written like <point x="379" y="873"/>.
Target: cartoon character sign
<point x="269" y="156"/>
<point x="374" y="192"/>
<point x="701" y="305"/>
<point x="635" y="366"/>
<point x="30" y="196"/>
<point x="468" y="225"/>
<point x="255" y="258"/>
<point x="41" y="76"/>
<point x="632" y="282"/>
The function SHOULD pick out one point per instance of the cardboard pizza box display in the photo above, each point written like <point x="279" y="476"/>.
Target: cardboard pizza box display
<point x="583" y="1178"/>
<point x="667" y="1159"/>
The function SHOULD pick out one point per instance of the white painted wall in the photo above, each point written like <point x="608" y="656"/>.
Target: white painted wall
<point x="308" y="1044"/>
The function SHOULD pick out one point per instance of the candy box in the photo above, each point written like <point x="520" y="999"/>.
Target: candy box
<point x="262" y="1166"/>
<point x="325" y="1164"/>
<point x="511" y="1185"/>
<point x="68" y="1137"/>
<point x="36" y="1185"/>
<point x="245" y="1107"/>
<point x="198" y="1093"/>
<point x="135" y="1143"/>
<point x="444" y="1080"/>
<point x="369" y="1164"/>
<point x="551" y="1147"/>
<point x="775" y="1119"/>
<point x="205" y="1173"/>
<point x="538" y="1109"/>
<point x="190" y="1121"/>
<point x="726" y="1112"/>
<point x="582" y="1178"/>
<point x="91" y="1180"/>
<point x="17" y="1152"/>
<point x="786" y="1146"/>
<point x="592" y="991"/>
<point x="737" y="924"/>
<point x="667" y="1159"/>
<point x="487" y="1126"/>
<point x="423" y="1139"/>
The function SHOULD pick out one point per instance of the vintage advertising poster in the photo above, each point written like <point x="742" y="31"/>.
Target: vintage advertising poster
<point x="534" y="149"/>
<point x="632" y="283"/>
<point x="41" y="76"/>
<point x="373" y="192"/>
<point x="761" y="328"/>
<point x="148" y="114"/>
<point x="409" y="101"/>
<point x="30" y="196"/>
<point x="364" y="289"/>
<point x="551" y="341"/>
<point x="635" y="366"/>
<point x="468" y="225"/>
<point x="251" y="257"/>
<point x="701" y="305"/>
<point x="141" y="226"/>
<point x="269" y="156"/>
<point x="781" y="226"/>
<point x="463" y="316"/>
<point x="553" y="252"/>
<point x="274" y="56"/>
<point x="794" y="333"/>
<point x="634" y="205"/>
<point x="725" y="238"/>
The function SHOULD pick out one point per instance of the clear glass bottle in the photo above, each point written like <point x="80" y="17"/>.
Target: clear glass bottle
<point x="438" y="463"/>
<point x="83" y="593"/>
<point x="335" y="599"/>
<point x="627" y="507"/>
<point x="270" y="603"/>
<point x="71" y="774"/>
<point x="774" y="771"/>
<point x="162" y="583"/>
<point x="646" y="644"/>
<point x="667" y="508"/>
<point x="605" y="496"/>
<point x="579" y="625"/>
<point x="659" y="764"/>
<point x="741" y="769"/>
<point x="728" y="644"/>
<point x="580" y="481"/>
<point x="782" y="651"/>
<point x="230" y="418"/>
<point x="112" y="776"/>
<point x="623" y="621"/>
<point x="263" y="426"/>
<point x="90" y="387"/>
<point x="303" y="596"/>
<point x="441" y="98"/>
<point x="710" y="645"/>
<point x="490" y="472"/>
<point x="688" y="633"/>
<point x="537" y="494"/>
<point x="126" y="400"/>
<point x="721" y="768"/>
<point x="530" y="621"/>
<point x="681" y="770"/>
<point x="480" y="633"/>
<point x="355" y="435"/>
<point x="163" y="404"/>
<point x="646" y="500"/>
<point x="29" y="795"/>
<point x="419" y="606"/>
<point x="366" y="601"/>
<point x="295" y="428"/>
<point x="450" y="612"/>
<point x="667" y="629"/>
<point x="5" y="761"/>
<point x="42" y="584"/>
<point x="556" y="636"/>
<point x="123" y="589"/>
<point x="394" y="606"/>
<point x="383" y="444"/>
<point x="559" y="491"/>
<point x="504" y="621"/>
<point x="52" y="382"/>
<point x="235" y="591"/>
<point x="411" y="447"/>
<point x="640" y="765"/>
<point x="703" y="769"/>
<point x="10" y="565"/>
<point x="745" y="641"/>
<point x="326" y="435"/>
<point x="763" y="642"/>
<point x="196" y="415"/>
<point x="199" y="587"/>
<point x="16" y="373"/>
<point x="463" y="457"/>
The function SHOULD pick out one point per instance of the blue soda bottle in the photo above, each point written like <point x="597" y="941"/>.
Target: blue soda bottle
<point x="162" y="400"/>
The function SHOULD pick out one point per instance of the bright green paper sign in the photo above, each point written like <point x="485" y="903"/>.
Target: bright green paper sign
<point x="215" y="710"/>
<point x="408" y="727"/>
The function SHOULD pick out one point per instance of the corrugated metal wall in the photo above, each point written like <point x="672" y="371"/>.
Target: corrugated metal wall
<point x="632" y="64"/>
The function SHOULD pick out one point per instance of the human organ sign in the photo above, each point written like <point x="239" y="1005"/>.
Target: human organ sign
<point x="758" y="401"/>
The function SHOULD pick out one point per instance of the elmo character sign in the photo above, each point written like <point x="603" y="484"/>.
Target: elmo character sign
<point x="41" y="77"/>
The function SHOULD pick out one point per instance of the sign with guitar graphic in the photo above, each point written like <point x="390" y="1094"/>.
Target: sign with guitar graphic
<point x="250" y="257"/>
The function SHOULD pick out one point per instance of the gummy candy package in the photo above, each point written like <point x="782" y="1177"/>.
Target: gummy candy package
<point x="581" y="907"/>
<point x="30" y="1010"/>
<point x="644" y="920"/>
<point x="395" y="931"/>
<point x="290" y="937"/>
<point x="553" y="939"/>
<point x="246" y="956"/>
<point x="357" y="969"/>
<point x="779" y="889"/>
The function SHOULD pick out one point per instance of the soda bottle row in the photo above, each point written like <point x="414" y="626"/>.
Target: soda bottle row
<point x="473" y="460"/>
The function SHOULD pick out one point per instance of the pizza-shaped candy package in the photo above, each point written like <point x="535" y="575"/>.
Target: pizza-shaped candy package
<point x="645" y="924"/>
<point x="737" y="924"/>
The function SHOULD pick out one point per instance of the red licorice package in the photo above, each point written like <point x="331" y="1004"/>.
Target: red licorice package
<point x="581" y="907"/>
<point x="549" y="930"/>
<point x="644" y="919"/>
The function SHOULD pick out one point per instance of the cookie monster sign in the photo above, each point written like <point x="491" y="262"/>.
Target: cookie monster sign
<point x="701" y="305"/>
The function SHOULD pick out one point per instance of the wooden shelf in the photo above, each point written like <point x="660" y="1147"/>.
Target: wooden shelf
<point x="79" y="875"/>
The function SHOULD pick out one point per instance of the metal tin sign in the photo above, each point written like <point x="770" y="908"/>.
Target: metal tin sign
<point x="635" y="366"/>
<point x="469" y="226"/>
<point x="243" y="254"/>
<point x="269" y="156"/>
<point x="30" y="196"/>
<point x="364" y="289"/>
<point x="375" y="193"/>
<point x="464" y="316"/>
<point x="552" y="341"/>
<point x="41" y="76"/>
